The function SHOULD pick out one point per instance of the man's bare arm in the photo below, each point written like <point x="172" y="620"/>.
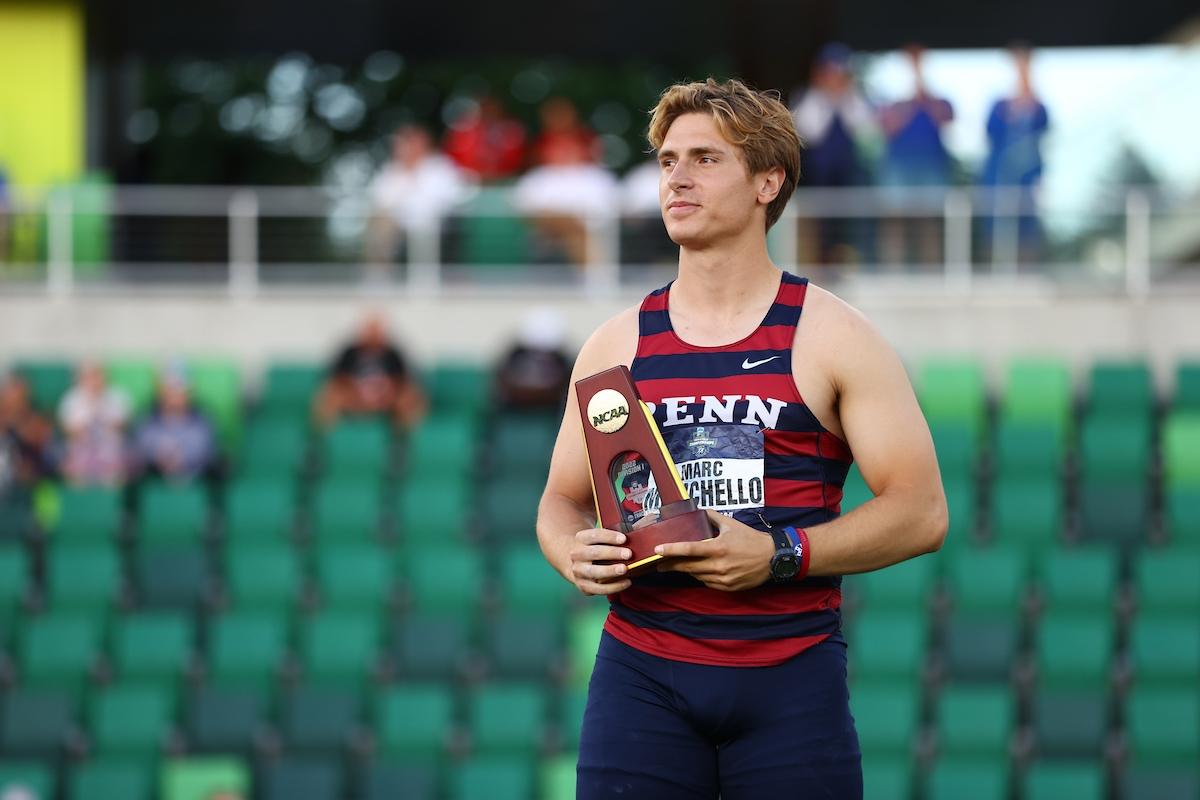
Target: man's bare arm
<point x="566" y="515"/>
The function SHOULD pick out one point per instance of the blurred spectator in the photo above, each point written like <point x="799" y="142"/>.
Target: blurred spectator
<point x="644" y="238"/>
<point x="916" y="165"/>
<point x="487" y="142"/>
<point x="175" y="441"/>
<point x="835" y="123"/>
<point x="412" y="193"/>
<point x="1015" y="129"/>
<point x="563" y="138"/>
<point x="93" y="416"/>
<point x="567" y="188"/>
<point x="536" y="370"/>
<point x="25" y="438"/>
<point x="370" y="376"/>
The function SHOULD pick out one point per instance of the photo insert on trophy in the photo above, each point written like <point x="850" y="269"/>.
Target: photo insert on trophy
<point x="630" y="476"/>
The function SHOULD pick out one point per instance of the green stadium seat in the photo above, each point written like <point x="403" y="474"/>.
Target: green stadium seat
<point x="1077" y="780"/>
<point x="1073" y="650"/>
<point x="354" y="576"/>
<point x="583" y="640"/>
<point x="887" y="778"/>
<point x="1181" y="450"/>
<point x="59" y="650"/>
<point x="1027" y="514"/>
<point x="525" y="644"/>
<point x="459" y="388"/>
<point x="855" y="492"/>
<point x="442" y="445"/>
<point x="15" y="584"/>
<point x="976" y="721"/>
<point x="429" y="646"/>
<point x="202" y="778"/>
<point x="1070" y="723"/>
<point x="980" y="649"/>
<point x="445" y="579"/>
<point x="172" y="576"/>
<point x="974" y="778"/>
<point x="152" y="647"/>
<point x="508" y="717"/>
<point x="1187" y="386"/>
<point x="1081" y="579"/>
<point x="887" y="645"/>
<point x="48" y="379"/>
<point x="1121" y="387"/>
<point x="1168" y="582"/>
<point x="522" y="442"/>
<point x="1028" y="451"/>
<point x="226" y="719"/>
<point x="886" y="716"/>
<point x="35" y="722"/>
<point x="83" y="577"/>
<point x="496" y="777"/>
<point x="339" y="647"/>
<point x="571" y="708"/>
<point x="273" y="448"/>
<point x="259" y="508"/>
<point x="16" y="515"/>
<point x="357" y="449"/>
<point x="907" y="585"/>
<point x="216" y="390"/>
<point x="1164" y="651"/>
<point x="263" y="575"/>
<point x="509" y="511"/>
<point x="321" y="718"/>
<point x="36" y="778"/>
<point x="1115" y="514"/>
<point x="1038" y="390"/>
<point x="171" y="513"/>
<point x="987" y="582"/>
<point x="302" y="778"/>
<point x="1183" y="514"/>
<point x="953" y="391"/>
<point x="1163" y="726"/>
<point x="411" y="780"/>
<point x="108" y="778"/>
<point x="557" y="777"/>
<point x="246" y="648"/>
<point x="415" y="720"/>
<point x="137" y="377"/>
<point x="347" y="510"/>
<point x="87" y="514"/>
<point x="289" y="389"/>
<point x="529" y="584"/>
<point x="130" y="719"/>
<point x="433" y="511"/>
<point x="1115" y="450"/>
<point x="961" y="503"/>
<point x="1153" y="782"/>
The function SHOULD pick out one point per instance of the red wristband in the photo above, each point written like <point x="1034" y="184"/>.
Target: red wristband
<point x="799" y="539"/>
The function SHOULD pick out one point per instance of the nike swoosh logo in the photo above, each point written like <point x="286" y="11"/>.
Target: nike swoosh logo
<point x="748" y="364"/>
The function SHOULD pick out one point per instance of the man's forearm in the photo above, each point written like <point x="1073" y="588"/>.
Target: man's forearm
<point x="559" y="519"/>
<point x="887" y="529"/>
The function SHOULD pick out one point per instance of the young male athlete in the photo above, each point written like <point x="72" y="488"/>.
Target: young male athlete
<point x="724" y="674"/>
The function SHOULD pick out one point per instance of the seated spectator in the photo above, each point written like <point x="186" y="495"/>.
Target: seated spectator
<point x="413" y="192"/>
<point x="486" y="142"/>
<point x="25" y="439"/>
<point x="175" y="440"/>
<point x="644" y="238"/>
<point x="536" y="370"/>
<point x="567" y="188"/>
<point x="93" y="416"/>
<point x="370" y="377"/>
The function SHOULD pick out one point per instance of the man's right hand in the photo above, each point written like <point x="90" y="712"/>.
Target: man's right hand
<point x="599" y="544"/>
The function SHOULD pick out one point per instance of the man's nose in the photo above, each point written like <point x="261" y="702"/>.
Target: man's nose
<point x="679" y="176"/>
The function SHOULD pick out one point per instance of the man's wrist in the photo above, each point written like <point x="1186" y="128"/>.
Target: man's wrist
<point x="799" y="539"/>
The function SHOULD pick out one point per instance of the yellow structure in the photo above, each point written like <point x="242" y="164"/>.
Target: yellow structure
<point x="41" y="91"/>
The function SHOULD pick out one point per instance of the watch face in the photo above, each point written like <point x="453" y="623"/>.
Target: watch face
<point x="784" y="566"/>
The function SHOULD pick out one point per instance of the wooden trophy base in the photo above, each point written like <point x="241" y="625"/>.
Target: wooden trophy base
<point x="681" y="521"/>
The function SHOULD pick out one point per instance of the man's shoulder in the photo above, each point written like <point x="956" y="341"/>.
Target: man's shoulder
<point x="613" y="342"/>
<point x="828" y="316"/>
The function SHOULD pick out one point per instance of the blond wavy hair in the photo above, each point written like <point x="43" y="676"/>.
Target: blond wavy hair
<point x="757" y="122"/>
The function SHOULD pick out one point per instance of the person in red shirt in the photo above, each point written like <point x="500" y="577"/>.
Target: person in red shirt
<point x="487" y="142"/>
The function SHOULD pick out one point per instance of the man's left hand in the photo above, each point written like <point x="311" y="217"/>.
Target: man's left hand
<point x="738" y="557"/>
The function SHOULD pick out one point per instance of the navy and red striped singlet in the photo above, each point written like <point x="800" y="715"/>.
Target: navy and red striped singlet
<point x="745" y="444"/>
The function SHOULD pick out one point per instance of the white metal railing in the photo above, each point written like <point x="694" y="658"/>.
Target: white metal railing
<point x="339" y="221"/>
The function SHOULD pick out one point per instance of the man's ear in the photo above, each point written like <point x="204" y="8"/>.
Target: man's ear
<point x="769" y="183"/>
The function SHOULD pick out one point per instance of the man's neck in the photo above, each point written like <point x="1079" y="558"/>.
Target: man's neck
<point x="722" y="290"/>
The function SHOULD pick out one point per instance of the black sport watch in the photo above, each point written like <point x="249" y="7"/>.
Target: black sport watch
<point x="787" y="561"/>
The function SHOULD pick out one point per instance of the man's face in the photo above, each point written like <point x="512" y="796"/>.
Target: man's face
<point x="704" y="189"/>
<point x="636" y="492"/>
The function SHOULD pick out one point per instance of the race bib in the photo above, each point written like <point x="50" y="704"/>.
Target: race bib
<point x="721" y="466"/>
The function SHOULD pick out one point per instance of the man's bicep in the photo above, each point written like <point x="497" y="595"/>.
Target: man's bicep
<point x="883" y="422"/>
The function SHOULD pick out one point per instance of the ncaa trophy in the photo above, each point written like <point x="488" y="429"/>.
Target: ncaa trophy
<point x="626" y="454"/>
